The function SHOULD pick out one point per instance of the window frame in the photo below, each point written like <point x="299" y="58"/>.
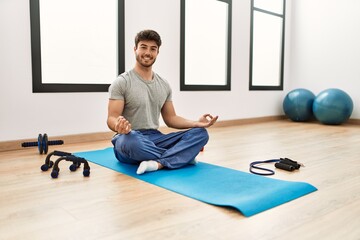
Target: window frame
<point x="38" y="86"/>
<point x="205" y="87"/>
<point x="281" y="75"/>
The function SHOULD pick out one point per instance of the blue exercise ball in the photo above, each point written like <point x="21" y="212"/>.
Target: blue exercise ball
<point x="298" y="103"/>
<point x="332" y="106"/>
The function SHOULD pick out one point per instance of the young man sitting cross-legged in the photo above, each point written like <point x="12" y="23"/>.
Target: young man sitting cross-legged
<point x="137" y="98"/>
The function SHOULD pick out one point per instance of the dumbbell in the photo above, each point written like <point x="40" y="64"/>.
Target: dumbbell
<point x="42" y="143"/>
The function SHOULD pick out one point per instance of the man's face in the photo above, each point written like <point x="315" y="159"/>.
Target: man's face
<point x="146" y="53"/>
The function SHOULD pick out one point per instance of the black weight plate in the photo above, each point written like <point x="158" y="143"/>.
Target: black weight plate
<point x="45" y="143"/>
<point x="40" y="144"/>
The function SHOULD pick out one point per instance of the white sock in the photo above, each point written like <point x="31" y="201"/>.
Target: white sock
<point x="147" y="166"/>
<point x="194" y="162"/>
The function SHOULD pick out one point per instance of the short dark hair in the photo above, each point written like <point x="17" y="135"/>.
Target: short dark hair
<point x="147" y="35"/>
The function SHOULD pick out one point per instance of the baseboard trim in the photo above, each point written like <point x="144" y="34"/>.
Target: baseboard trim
<point x="103" y="136"/>
<point x="228" y="123"/>
<point x="354" y="121"/>
<point x="68" y="139"/>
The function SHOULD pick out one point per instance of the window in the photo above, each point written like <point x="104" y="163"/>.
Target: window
<point x="77" y="45"/>
<point x="267" y="44"/>
<point x="205" y="62"/>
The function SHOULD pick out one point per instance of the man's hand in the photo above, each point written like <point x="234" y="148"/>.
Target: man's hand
<point x="122" y="125"/>
<point x="207" y="120"/>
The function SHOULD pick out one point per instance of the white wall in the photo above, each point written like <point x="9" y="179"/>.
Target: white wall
<point x="236" y="104"/>
<point x="25" y="114"/>
<point x="316" y="60"/>
<point x="325" y="47"/>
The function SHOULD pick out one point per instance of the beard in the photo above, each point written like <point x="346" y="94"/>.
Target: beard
<point x="145" y="62"/>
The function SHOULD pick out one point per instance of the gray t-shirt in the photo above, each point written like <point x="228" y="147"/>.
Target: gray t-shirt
<point x="143" y="99"/>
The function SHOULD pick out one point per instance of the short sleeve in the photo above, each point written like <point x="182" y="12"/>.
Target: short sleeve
<point x="169" y="97"/>
<point x="117" y="89"/>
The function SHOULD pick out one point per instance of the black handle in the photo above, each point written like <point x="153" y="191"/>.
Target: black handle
<point x="284" y="166"/>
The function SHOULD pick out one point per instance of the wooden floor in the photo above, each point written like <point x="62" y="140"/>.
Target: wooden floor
<point x="109" y="205"/>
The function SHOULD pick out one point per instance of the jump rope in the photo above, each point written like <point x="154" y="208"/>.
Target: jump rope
<point x="282" y="163"/>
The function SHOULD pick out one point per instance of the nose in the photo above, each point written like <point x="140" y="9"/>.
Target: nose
<point x="147" y="52"/>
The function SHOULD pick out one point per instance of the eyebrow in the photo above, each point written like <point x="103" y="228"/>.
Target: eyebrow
<point x="145" y="45"/>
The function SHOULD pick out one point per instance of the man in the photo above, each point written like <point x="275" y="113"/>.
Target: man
<point x="137" y="98"/>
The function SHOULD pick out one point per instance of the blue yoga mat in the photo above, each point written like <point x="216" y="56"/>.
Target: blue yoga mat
<point x="248" y="193"/>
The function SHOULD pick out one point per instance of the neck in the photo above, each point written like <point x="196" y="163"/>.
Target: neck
<point x="144" y="72"/>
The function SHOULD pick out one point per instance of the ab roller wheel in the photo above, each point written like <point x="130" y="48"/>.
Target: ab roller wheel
<point x="42" y="143"/>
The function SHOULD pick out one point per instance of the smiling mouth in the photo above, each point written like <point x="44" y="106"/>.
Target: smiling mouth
<point x="145" y="60"/>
